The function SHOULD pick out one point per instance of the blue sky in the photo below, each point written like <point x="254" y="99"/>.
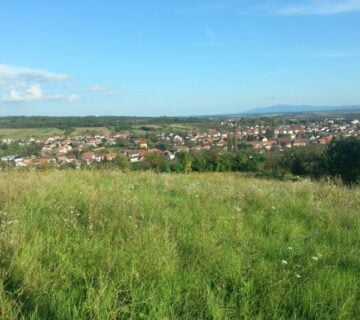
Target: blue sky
<point x="189" y="57"/>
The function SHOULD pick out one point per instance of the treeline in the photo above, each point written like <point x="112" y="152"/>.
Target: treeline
<point x="203" y="161"/>
<point x="196" y="161"/>
<point x="127" y="122"/>
<point x="339" y="159"/>
<point x="24" y="150"/>
<point x="63" y="123"/>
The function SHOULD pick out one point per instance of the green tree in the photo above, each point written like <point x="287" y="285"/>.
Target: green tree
<point x="186" y="161"/>
<point x="343" y="160"/>
<point x="122" y="143"/>
<point x="122" y="163"/>
<point x="304" y="161"/>
<point x="226" y="161"/>
<point x="156" y="161"/>
<point x="270" y="134"/>
<point x="69" y="131"/>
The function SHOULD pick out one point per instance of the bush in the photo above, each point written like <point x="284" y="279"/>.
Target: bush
<point x="342" y="159"/>
<point x="304" y="161"/>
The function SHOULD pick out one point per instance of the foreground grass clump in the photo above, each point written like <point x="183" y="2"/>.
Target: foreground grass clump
<point x="108" y="245"/>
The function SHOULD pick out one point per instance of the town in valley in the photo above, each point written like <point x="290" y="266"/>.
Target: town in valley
<point x="258" y="135"/>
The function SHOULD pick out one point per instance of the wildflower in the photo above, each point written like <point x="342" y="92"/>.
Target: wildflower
<point x="284" y="262"/>
<point x="298" y="276"/>
<point x="273" y="208"/>
<point x="290" y="248"/>
<point x="315" y="258"/>
<point x="12" y="222"/>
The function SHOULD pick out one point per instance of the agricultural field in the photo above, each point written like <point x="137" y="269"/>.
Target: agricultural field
<point x="90" y="131"/>
<point x="160" y="128"/>
<point x="26" y="133"/>
<point x="50" y="132"/>
<point x="113" y="245"/>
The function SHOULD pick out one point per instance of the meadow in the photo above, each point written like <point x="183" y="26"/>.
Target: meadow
<point x="113" y="245"/>
<point x="90" y="131"/>
<point x="49" y="132"/>
<point x="29" y="132"/>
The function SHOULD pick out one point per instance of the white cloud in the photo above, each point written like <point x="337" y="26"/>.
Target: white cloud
<point x="73" y="97"/>
<point x="32" y="93"/>
<point x="320" y="7"/>
<point x="11" y="73"/>
<point x="105" y="90"/>
<point x="24" y="85"/>
<point x="97" y="88"/>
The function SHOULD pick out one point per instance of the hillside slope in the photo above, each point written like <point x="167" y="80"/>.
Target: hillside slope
<point x="108" y="245"/>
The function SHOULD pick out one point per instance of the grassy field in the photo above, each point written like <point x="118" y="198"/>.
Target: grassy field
<point x="49" y="132"/>
<point x="110" y="245"/>
<point x="192" y="126"/>
<point x="90" y="131"/>
<point x="25" y="133"/>
<point x="81" y="131"/>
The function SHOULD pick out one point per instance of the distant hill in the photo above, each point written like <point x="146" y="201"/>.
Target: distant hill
<point x="300" y="108"/>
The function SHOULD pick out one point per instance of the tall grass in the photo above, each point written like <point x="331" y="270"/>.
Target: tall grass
<point x="108" y="245"/>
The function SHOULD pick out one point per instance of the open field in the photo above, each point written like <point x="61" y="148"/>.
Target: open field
<point x="192" y="126"/>
<point x="49" y="132"/>
<point x="90" y="131"/>
<point x="26" y="133"/>
<point x="112" y="245"/>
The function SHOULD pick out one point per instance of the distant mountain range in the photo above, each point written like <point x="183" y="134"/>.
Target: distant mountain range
<point x="300" y="108"/>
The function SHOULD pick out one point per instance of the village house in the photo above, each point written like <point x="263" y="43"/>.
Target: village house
<point x="182" y="148"/>
<point x="10" y="158"/>
<point x="206" y="145"/>
<point x="256" y="145"/>
<point x="284" y="142"/>
<point x="169" y="155"/>
<point x="134" y="155"/>
<point x="268" y="145"/>
<point x="88" y="157"/>
<point x="177" y="139"/>
<point x="221" y="144"/>
<point x="142" y="144"/>
<point x="299" y="143"/>
<point x="325" y="139"/>
<point x="42" y="161"/>
<point x="110" y="156"/>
